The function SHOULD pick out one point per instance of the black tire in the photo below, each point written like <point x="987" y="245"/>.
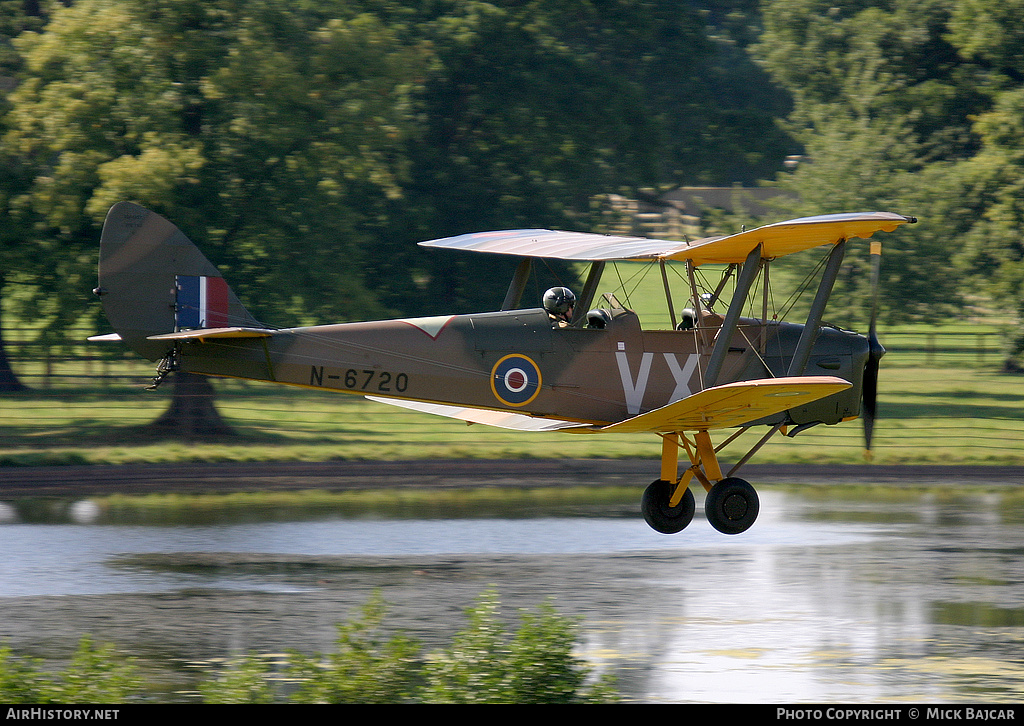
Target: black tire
<point x="657" y="512"/>
<point x="731" y="506"/>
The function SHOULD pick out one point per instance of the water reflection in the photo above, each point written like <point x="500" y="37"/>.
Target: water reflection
<point x="72" y="554"/>
<point x="832" y="596"/>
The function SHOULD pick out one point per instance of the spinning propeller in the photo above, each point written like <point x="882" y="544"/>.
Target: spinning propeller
<point x="875" y="353"/>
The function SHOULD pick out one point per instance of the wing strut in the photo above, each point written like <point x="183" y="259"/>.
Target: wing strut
<point x="518" y="284"/>
<point x="589" y="290"/>
<point x="668" y="294"/>
<point x="810" y="331"/>
<point x="743" y="283"/>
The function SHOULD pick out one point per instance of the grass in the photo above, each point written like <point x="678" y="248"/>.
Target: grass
<point x="953" y="411"/>
<point x="942" y="401"/>
<point x="172" y="508"/>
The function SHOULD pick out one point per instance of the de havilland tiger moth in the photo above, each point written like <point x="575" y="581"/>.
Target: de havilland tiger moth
<point x="581" y="365"/>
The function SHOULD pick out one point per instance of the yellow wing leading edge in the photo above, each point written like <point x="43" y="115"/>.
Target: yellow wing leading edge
<point x="732" y="404"/>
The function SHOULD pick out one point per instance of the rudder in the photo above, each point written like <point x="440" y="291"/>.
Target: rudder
<point x="154" y="280"/>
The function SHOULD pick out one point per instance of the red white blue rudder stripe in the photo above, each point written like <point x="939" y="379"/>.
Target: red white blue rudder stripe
<point x="202" y="302"/>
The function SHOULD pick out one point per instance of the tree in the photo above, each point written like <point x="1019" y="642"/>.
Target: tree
<point x="993" y="255"/>
<point x="307" y="146"/>
<point x="265" y="129"/>
<point x="504" y="141"/>
<point x="16" y="17"/>
<point x="883" y="105"/>
<point x="252" y="125"/>
<point x="875" y="59"/>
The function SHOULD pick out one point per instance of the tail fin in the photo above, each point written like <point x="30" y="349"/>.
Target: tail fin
<point x="153" y="280"/>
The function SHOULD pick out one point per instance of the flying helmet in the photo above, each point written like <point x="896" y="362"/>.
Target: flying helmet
<point x="559" y="301"/>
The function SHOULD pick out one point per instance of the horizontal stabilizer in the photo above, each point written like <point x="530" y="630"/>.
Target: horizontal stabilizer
<point x="733" y="404"/>
<point x="211" y="333"/>
<point x="500" y="419"/>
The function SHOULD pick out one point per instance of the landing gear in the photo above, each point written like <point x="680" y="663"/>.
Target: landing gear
<point x="658" y="511"/>
<point x="731" y="505"/>
<point x="166" y="367"/>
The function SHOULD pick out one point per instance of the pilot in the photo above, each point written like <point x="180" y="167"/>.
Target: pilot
<point x="689" y="320"/>
<point x="559" y="303"/>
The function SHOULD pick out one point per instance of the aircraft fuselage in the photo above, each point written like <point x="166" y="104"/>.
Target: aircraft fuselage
<point x="516" y="360"/>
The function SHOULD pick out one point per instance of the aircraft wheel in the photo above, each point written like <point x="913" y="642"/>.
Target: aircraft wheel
<point x="731" y="506"/>
<point x="658" y="513"/>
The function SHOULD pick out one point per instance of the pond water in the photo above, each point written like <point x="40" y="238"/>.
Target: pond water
<point x="825" y="599"/>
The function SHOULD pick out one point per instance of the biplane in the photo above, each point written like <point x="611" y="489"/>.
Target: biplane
<point x="598" y="370"/>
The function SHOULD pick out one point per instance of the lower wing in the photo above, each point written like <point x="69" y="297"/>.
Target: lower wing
<point x="733" y="404"/>
<point x="489" y="417"/>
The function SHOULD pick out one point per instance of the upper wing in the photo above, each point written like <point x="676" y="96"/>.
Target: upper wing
<point x="781" y="238"/>
<point x="732" y="404"/>
<point x="785" y="238"/>
<point x="579" y="246"/>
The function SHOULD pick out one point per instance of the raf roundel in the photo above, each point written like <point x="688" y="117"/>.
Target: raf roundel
<point x="515" y="380"/>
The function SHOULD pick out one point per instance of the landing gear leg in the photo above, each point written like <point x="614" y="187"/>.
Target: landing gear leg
<point x="731" y="504"/>
<point x="166" y="367"/>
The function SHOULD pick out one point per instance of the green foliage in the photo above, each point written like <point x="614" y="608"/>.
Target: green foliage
<point x="21" y="679"/>
<point x="482" y="665"/>
<point x="991" y="32"/>
<point x="308" y="146"/>
<point x="874" y="60"/>
<point x="252" y="125"/>
<point x="244" y="680"/>
<point x="96" y="674"/>
<point x="475" y="668"/>
<point x="992" y="255"/>
<point x="535" y="666"/>
<point x="914" y="107"/>
<point x="363" y="668"/>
